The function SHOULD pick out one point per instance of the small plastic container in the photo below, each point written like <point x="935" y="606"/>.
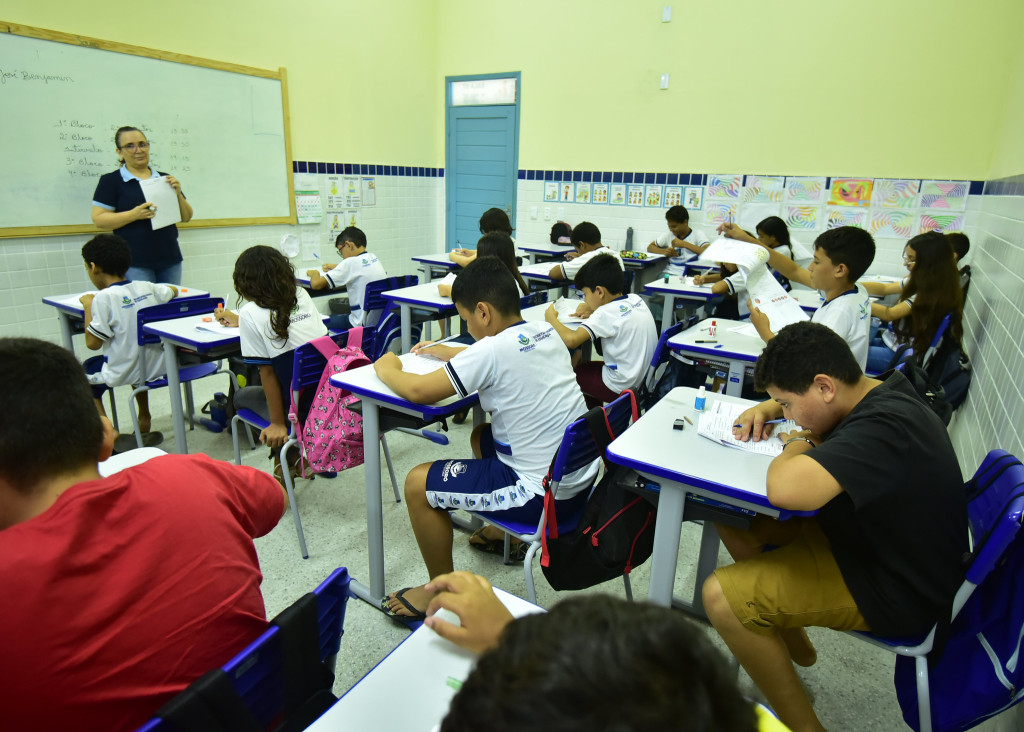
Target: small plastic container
<point x="701" y="399"/>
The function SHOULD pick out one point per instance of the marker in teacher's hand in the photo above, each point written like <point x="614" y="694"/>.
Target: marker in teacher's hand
<point x="770" y="421"/>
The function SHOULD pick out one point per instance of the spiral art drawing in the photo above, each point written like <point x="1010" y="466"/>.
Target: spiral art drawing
<point x="724" y="186"/>
<point x="719" y="213"/>
<point x="944" y="194"/>
<point x="763" y="189"/>
<point x="892" y="224"/>
<point x="896" y="193"/>
<point x="802" y="217"/>
<point x="805" y="189"/>
<point x="845" y="217"/>
<point x="940" y="222"/>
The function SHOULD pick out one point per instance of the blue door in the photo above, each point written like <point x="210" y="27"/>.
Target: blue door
<point x="481" y="161"/>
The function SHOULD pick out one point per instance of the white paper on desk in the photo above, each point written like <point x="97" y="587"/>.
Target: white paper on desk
<point x="217" y="327"/>
<point x="160" y="193"/>
<point x="448" y="279"/>
<point x="537" y="268"/>
<point x="415" y="363"/>
<point x="565" y="307"/>
<point x="717" y="421"/>
<point x="747" y="329"/>
<point x="74" y="301"/>
<point x="740" y="253"/>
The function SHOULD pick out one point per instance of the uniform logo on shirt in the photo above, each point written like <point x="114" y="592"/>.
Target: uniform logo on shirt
<point x="126" y="301"/>
<point x="523" y="340"/>
<point x="623" y="309"/>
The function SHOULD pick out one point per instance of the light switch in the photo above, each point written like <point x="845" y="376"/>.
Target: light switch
<point x="547" y="213"/>
<point x="533" y="212"/>
<point x="561" y="213"/>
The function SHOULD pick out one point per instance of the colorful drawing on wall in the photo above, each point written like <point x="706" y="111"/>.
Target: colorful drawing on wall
<point x="583" y="193"/>
<point x="566" y="191"/>
<point x="719" y="213"/>
<point x="951" y="194"/>
<point x="805" y="189"/>
<point x="763" y="189"/>
<point x="618" y="195"/>
<point x="932" y="221"/>
<point x="673" y="196"/>
<point x="636" y="196"/>
<point x="550" y="190"/>
<point x="891" y="223"/>
<point x="895" y="193"/>
<point x="693" y="197"/>
<point x="652" y="196"/>
<point x="845" y="217"/>
<point x="804" y="218"/>
<point x="600" y="193"/>
<point x="851" y="191"/>
<point x="724" y="186"/>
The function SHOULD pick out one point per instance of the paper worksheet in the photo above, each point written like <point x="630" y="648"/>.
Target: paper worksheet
<point x="565" y="307"/>
<point x="215" y="327"/>
<point x="159" y="192"/>
<point x="415" y="363"/>
<point x="717" y="421"/>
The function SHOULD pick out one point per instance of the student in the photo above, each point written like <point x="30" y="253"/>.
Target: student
<point x="932" y="291"/>
<point x="594" y="662"/>
<point x="841" y="256"/>
<point x="358" y="268"/>
<point x="884" y="550"/>
<point x="118" y="592"/>
<point x="492" y="220"/>
<point x="278" y="317"/>
<point x="112" y="324"/>
<point x="623" y="324"/>
<point x="961" y="246"/>
<point x="586" y="239"/>
<point x="561" y="233"/>
<point x="495" y="244"/>
<point x="679" y="240"/>
<point x="525" y="381"/>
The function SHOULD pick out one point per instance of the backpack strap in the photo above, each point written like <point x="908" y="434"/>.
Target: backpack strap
<point x="355" y="338"/>
<point x="326" y="345"/>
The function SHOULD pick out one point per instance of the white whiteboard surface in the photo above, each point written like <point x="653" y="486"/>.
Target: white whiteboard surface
<point x="222" y="134"/>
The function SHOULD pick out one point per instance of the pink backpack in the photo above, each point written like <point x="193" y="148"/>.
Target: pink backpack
<point x="332" y="437"/>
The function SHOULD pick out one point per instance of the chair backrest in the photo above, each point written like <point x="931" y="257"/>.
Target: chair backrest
<point x="384" y="312"/>
<point x="308" y="366"/>
<point x="940" y="333"/>
<point x="578" y="448"/>
<point x="661" y="356"/>
<point x="995" y="507"/>
<point x="171" y="310"/>
<point x="534" y="298"/>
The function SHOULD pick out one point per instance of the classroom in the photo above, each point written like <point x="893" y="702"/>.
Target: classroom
<point x="925" y="92"/>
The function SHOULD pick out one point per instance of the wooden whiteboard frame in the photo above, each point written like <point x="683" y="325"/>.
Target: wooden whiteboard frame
<point x="178" y="58"/>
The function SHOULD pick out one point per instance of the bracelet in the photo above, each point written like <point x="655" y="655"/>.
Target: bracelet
<point x="798" y="437"/>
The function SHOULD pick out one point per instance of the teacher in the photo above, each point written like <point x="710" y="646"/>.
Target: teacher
<point x="119" y="205"/>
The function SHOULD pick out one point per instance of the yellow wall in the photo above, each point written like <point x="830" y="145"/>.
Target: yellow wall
<point x="1008" y="150"/>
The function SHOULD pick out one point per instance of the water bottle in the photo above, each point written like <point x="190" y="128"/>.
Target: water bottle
<point x="629" y="239"/>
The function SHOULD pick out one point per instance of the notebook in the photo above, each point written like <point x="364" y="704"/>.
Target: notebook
<point x="716" y="422"/>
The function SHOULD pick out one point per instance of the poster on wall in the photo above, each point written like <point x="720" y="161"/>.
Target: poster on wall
<point x="948" y="194"/>
<point x="352" y="218"/>
<point x="693" y="197"/>
<point x="891" y="193"/>
<point x="805" y="188"/>
<point x="802" y="218"/>
<point x="583" y="193"/>
<point x="652" y="196"/>
<point x="565" y="191"/>
<point x="310" y="237"/>
<point x="891" y="223"/>
<point x="600" y="193"/>
<point x="336" y="222"/>
<point x="718" y="213"/>
<point x="335" y="188"/>
<point x="673" y="196"/>
<point x="368" y="189"/>
<point x="763" y="189"/>
<point x="350" y="191"/>
<point x="618" y="195"/>
<point x="636" y="195"/>
<point x="851" y="192"/>
<point x="724" y="186"/>
<point x="550" y="191"/>
<point x="845" y="217"/>
<point x="944" y="222"/>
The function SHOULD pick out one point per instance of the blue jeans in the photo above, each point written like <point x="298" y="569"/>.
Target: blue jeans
<point x="169" y="275"/>
<point x="879" y="358"/>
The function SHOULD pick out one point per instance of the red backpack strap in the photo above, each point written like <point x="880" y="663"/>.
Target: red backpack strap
<point x="326" y="346"/>
<point x="550" y="527"/>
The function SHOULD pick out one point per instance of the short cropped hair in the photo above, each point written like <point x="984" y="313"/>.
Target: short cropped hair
<point x="602" y="271"/>
<point x="585" y="233"/>
<point x="960" y="243"/>
<point x="353" y="234"/>
<point x="677" y="214"/>
<point x="801" y="351"/>
<point x="495" y="219"/>
<point x="600" y="663"/>
<point x="109" y="252"/>
<point x="848" y="245"/>
<point x="487" y="279"/>
<point x="50" y="425"/>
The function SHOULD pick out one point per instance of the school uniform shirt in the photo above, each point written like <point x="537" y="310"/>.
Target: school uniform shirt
<point x="570" y="268"/>
<point x="128" y="588"/>
<point x="115" y="321"/>
<point x="525" y="381"/>
<point x="151" y="248"/>
<point x="849" y="315"/>
<point x="677" y="265"/>
<point x="260" y="345"/>
<point x="355" y="273"/>
<point x="737" y="284"/>
<point x="628" y="339"/>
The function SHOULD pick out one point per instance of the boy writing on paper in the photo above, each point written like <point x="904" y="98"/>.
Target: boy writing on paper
<point x="586" y="239"/>
<point x="841" y="256"/>
<point x="623" y="324"/>
<point x="525" y="381"/>
<point x="871" y="456"/>
<point x="357" y="269"/>
<point x="680" y="243"/>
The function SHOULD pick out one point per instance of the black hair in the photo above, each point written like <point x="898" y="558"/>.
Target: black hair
<point x="677" y="214"/>
<point x="585" y="233"/>
<point x="934" y="283"/>
<point x="776" y="227"/>
<point x="960" y="243"/>
<point x="848" y="245"/>
<point x="109" y="252"/>
<point x="602" y="271"/>
<point x="499" y="244"/>
<point x="801" y="351"/>
<point x="494" y="219"/>
<point x="560" y="230"/>
<point x="47" y="400"/>
<point x="353" y="234"/>
<point x="264" y="276"/>
<point x="487" y="279"/>
<point x="600" y="663"/>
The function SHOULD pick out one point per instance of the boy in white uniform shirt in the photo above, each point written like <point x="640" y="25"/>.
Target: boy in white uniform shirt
<point x="586" y="238"/>
<point x="622" y="322"/>
<point x="111" y="318"/>
<point x="680" y="243"/>
<point x="357" y="269"/>
<point x="525" y="381"/>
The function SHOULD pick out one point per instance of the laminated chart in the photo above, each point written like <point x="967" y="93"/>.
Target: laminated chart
<point x="950" y="194"/>
<point x="805" y="218"/>
<point x="719" y="213"/>
<point x="892" y="223"/>
<point x="724" y="186"/>
<point x="652" y="196"/>
<point x="932" y="221"/>
<point x="763" y="189"/>
<point x="845" y="217"/>
<point x="805" y="189"/>
<point x="895" y="193"/>
<point x="851" y="191"/>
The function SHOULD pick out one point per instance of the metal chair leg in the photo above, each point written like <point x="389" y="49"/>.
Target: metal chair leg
<point x="391" y="469"/>
<point x="286" y="473"/>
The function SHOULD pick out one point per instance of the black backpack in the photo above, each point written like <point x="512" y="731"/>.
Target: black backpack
<point x="927" y="389"/>
<point x="615" y="533"/>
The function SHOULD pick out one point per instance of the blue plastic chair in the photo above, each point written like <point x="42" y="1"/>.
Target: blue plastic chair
<point x="577" y="450"/>
<point x="936" y="343"/>
<point x="661" y="356"/>
<point x="384" y="314"/>
<point x="276" y="677"/>
<point x="534" y="298"/>
<point x="994" y="521"/>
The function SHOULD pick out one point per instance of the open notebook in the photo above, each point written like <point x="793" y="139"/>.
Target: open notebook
<point x="716" y="424"/>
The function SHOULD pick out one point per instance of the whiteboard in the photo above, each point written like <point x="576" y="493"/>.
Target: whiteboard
<point x="221" y="133"/>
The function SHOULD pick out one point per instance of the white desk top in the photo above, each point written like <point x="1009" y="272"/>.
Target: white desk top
<point x="810" y="300"/>
<point x="365" y="383"/>
<point x="546" y="248"/>
<point x="650" y="258"/>
<point x="71" y="303"/>
<point x="184" y="331"/>
<point x="437" y="259"/>
<point x="419" y="668"/>
<point x="731" y="345"/>
<point x="681" y="286"/>
<point x="538" y="270"/>
<point x="424" y="295"/>
<point x="535" y="314"/>
<point x="117" y="463"/>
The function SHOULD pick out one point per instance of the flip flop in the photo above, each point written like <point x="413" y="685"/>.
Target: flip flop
<point x="497" y="546"/>
<point x="416" y="616"/>
<point x="152" y="439"/>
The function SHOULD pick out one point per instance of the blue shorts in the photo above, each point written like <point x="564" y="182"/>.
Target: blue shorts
<point x="93" y="366"/>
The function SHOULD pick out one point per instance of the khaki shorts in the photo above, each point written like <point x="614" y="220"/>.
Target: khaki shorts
<point x="794" y="586"/>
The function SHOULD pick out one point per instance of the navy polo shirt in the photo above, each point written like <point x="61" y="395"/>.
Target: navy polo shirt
<point x="151" y="248"/>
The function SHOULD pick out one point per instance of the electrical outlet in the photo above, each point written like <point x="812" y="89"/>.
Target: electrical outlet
<point x="547" y="213"/>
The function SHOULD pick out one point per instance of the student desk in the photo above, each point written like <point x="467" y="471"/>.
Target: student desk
<point x="809" y="300"/>
<point x="553" y="253"/>
<point x="677" y="288"/>
<point x="646" y="267"/>
<point x="682" y="462"/>
<point x="537" y="276"/>
<point x="431" y="263"/>
<point x="421" y="297"/>
<point x="303" y="280"/>
<point x="375" y="397"/>
<point x="424" y="699"/>
<point x="735" y="349"/>
<point x="71" y="314"/>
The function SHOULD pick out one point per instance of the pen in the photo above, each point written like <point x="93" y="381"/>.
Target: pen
<point x="705" y="341"/>
<point x="770" y="421"/>
<point x="443" y="340"/>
